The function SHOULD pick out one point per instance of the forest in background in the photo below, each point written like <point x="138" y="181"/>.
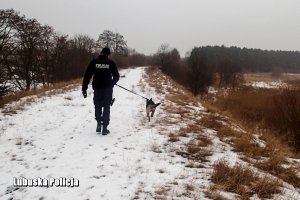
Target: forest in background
<point x="34" y="55"/>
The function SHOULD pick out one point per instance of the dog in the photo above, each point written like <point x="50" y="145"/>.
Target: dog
<point x="150" y="108"/>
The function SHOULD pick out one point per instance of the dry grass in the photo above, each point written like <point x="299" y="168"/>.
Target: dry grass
<point x="211" y="121"/>
<point x="274" y="165"/>
<point x="31" y="95"/>
<point x="190" y="128"/>
<point x="272" y="109"/>
<point x="181" y="98"/>
<point x="197" y="151"/>
<point x="245" y="108"/>
<point x="213" y="193"/>
<point x="243" y="181"/>
<point x="251" y="111"/>
<point x="265" y="187"/>
<point x="161" y="193"/>
<point x="247" y="145"/>
<point x="267" y="77"/>
<point x="173" y="138"/>
<point x="155" y="148"/>
<point x="227" y="132"/>
<point x="203" y="141"/>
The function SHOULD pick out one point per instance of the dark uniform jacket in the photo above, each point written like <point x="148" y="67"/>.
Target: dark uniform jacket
<point x="105" y="73"/>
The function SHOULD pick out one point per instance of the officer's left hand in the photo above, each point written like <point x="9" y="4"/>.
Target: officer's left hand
<point x="84" y="93"/>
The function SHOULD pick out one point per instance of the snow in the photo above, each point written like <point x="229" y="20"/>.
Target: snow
<point x="272" y="84"/>
<point x="58" y="139"/>
<point x="55" y="137"/>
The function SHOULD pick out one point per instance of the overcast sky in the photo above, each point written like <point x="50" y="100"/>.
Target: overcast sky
<point x="183" y="24"/>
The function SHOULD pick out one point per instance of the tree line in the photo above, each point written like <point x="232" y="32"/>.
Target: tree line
<point x="222" y="66"/>
<point x="196" y="71"/>
<point x="256" y="60"/>
<point x="32" y="54"/>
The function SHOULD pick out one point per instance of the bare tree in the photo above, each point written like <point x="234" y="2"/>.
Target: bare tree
<point x="200" y="72"/>
<point x="84" y="43"/>
<point x="120" y="45"/>
<point x="106" y="39"/>
<point x="8" y="46"/>
<point x="230" y="73"/>
<point x="46" y="48"/>
<point x="58" y="64"/>
<point x="30" y="37"/>
<point x="32" y="54"/>
<point x="115" y="41"/>
<point x="161" y="55"/>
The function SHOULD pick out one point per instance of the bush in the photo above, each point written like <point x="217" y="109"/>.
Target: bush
<point x="284" y="115"/>
<point x="200" y="73"/>
<point x="276" y="110"/>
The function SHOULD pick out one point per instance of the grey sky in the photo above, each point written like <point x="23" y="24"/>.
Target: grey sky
<point x="145" y="24"/>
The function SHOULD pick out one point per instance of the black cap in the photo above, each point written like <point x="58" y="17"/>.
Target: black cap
<point x="105" y="51"/>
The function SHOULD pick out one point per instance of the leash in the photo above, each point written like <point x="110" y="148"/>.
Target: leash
<point x="131" y="91"/>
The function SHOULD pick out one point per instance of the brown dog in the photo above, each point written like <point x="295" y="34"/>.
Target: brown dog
<point x="150" y="108"/>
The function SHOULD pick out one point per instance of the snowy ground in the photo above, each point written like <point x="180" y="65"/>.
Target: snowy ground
<point x="55" y="137"/>
<point x="271" y="84"/>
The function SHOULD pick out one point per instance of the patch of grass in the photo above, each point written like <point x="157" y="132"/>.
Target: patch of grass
<point x="211" y="121"/>
<point x="155" y="148"/>
<point x="197" y="152"/>
<point x="274" y="165"/>
<point x="203" y="141"/>
<point x="247" y="145"/>
<point x="214" y="194"/>
<point x="161" y="193"/>
<point x="265" y="187"/>
<point x="226" y="131"/>
<point x="243" y="181"/>
<point x="173" y="138"/>
<point x="190" y="128"/>
<point x="277" y="110"/>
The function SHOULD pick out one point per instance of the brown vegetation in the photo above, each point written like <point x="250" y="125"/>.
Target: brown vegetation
<point x="268" y="77"/>
<point x="239" y="119"/>
<point x="31" y="95"/>
<point x="243" y="181"/>
<point x="276" y="110"/>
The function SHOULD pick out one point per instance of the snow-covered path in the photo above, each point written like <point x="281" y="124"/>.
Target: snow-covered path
<point x="56" y="137"/>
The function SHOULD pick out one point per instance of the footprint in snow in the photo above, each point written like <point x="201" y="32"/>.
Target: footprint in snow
<point x="90" y="187"/>
<point x="98" y="177"/>
<point x="104" y="158"/>
<point x="11" y="189"/>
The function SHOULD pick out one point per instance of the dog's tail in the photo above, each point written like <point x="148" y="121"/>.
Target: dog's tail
<point x="157" y="104"/>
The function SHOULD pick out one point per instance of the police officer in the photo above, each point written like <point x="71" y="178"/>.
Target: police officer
<point x="106" y="75"/>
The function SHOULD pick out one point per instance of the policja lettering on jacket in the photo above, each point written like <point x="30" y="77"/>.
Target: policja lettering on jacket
<point x="102" y="66"/>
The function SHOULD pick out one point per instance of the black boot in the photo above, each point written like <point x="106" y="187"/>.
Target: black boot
<point x="105" y="131"/>
<point x="98" y="129"/>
